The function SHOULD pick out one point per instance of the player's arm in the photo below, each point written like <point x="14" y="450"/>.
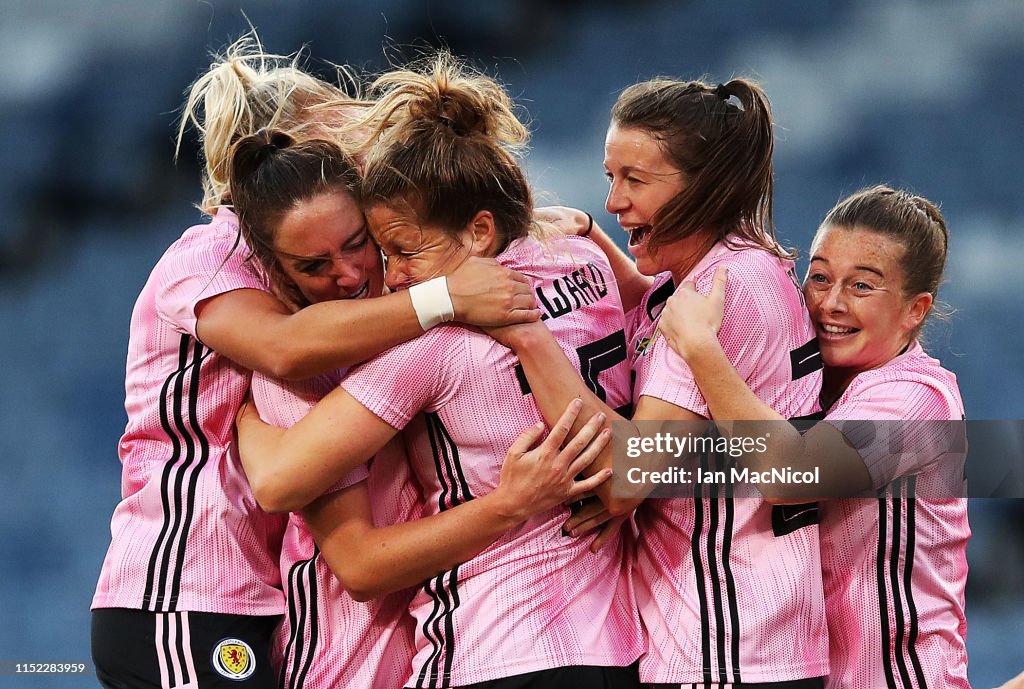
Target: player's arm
<point x="254" y="329"/>
<point x="554" y="382"/>
<point x="623" y="497"/>
<point x="371" y="561"/>
<point x="690" y="323"/>
<point x="631" y="283"/>
<point x="289" y="468"/>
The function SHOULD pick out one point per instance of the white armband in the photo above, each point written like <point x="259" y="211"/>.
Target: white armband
<point x="432" y="302"/>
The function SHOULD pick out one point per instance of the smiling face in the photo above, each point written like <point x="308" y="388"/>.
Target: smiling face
<point x="324" y="247"/>
<point x="854" y="292"/>
<point x="416" y="253"/>
<point x="641" y="181"/>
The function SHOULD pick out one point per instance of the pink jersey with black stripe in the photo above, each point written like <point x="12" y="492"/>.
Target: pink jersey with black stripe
<point x="328" y="639"/>
<point x="534" y="599"/>
<point x="188" y="534"/>
<point x="730" y="589"/>
<point x="895" y="567"/>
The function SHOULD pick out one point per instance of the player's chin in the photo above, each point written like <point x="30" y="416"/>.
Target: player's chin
<point x="839" y="354"/>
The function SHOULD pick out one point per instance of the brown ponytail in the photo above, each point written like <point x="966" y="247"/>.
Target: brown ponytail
<point x="724" y="150"/>
<point x="270" y="174"/>
<point x="445" y="141"/>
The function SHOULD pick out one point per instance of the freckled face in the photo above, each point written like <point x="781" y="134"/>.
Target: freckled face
<point x="415" y="253"/>
<point x="854" y="293"/>
<point x="324" y="247"/>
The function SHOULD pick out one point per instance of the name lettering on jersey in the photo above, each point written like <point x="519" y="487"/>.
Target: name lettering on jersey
<point x="583" y="286"/>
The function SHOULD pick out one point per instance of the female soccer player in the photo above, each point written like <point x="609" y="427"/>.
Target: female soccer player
<point x="190" y="588"/>
<point x="729" y="590"/>
<point x="534" y="608"/>
<point x="894" y="566"/>
<point x="296" y="200"/>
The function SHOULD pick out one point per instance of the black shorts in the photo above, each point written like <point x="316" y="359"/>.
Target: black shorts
<point x="808" y="683"/>
<point x="589" y="676"/>
<point x="136" y="649"/>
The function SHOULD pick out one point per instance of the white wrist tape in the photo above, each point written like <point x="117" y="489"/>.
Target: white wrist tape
<point x="432" y="302"/>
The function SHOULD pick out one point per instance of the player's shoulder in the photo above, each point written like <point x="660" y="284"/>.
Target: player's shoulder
<point x="914" y="379"/>
<point x="554" y="253"/>
<point x="750" y="267"/>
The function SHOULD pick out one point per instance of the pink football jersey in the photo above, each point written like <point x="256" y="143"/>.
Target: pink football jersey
<point x="729" y="589"/>
<point x="534" y="599"/>
<point x="328" y="639"/>
<point x="188" y="534"/>
<point x="895" y="566"/>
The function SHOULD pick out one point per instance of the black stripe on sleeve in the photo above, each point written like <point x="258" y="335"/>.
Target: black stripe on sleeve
<point x="198" y="355"/>
<point x="171" y="483"/>
<point x="715" y="579"/>
<point x="698" y="569"/>
<point x="894" y="580"/>
<point x="152" y="600"/>
<point x="299" y="630"/>
<point x="423" y="679"/>
<point x="176" y="496"/>
<point x="911" y="507"/>
<point x="293" y="625"/>
<point x="730" y="581"/>
<point x="883" y="597"/>
<point x="312" y="606"/>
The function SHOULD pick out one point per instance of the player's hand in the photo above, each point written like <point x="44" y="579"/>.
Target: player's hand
<point x="593" y="515"/>
<point x="690" y="320"/>
<point x="537" y="479"/>
<point x="485" y="293"/>
<point x="566" y="220"/>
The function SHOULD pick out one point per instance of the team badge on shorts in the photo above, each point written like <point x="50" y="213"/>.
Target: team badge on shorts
<point x="233" y="658"/>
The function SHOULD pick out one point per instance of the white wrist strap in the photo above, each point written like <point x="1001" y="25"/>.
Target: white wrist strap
<point x="432" y="302"/>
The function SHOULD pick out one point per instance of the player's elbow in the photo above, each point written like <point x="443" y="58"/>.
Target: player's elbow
<point x="356" y="581"/>
<point x="272" y="497"/>
<point x="287" y="361"/>
<point x="360" y="594"/>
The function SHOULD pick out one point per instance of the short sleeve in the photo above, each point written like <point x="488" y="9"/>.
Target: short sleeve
<point x="282" y="403"/>
<point x="212" y="261"/>
<point x="899" y="427"/>
<point x="742" y="336"/>
<point x="419" y="375"/>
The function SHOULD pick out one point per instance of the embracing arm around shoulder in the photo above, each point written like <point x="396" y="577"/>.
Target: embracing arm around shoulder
<point x="289" y="468"/>
<point x="371" y="561"/>
<point x="254" y="329"/>
<point x="690" y="323"/>
<point x="555" y="382"/>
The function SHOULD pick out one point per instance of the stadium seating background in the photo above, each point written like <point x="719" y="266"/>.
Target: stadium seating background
<point x="909" y="92"/>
